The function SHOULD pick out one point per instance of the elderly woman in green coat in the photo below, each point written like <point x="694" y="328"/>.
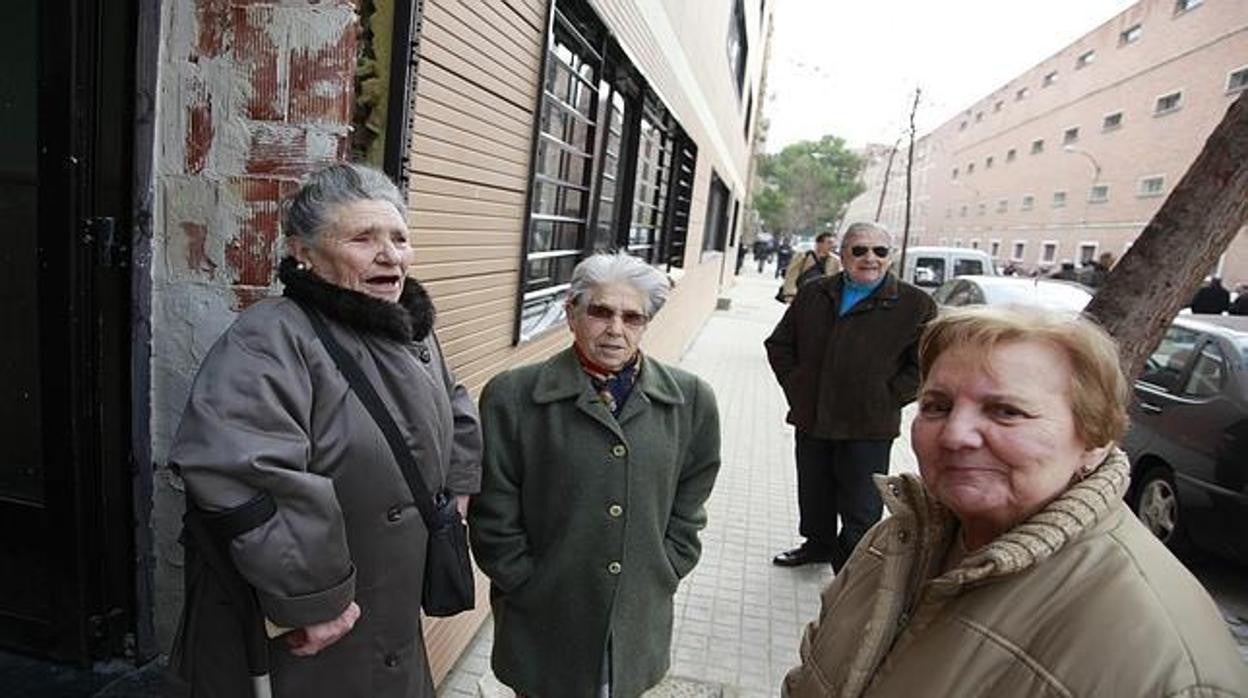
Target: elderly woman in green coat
<point x="597" y="464"/>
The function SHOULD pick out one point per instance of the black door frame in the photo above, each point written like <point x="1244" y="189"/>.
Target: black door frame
<point x="86" y="89"/>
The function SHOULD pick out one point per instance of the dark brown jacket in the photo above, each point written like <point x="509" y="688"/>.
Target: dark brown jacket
<point x="848" y="377"/>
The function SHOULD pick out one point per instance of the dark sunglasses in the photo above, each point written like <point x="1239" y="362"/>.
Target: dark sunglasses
<point x="632" y="318"/>
<point x="861" y="251"/>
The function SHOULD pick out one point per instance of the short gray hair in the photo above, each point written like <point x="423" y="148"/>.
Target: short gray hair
<point x="608" y="268"/>
<point x="861" y="228"/>
<point x="338" y="184"/>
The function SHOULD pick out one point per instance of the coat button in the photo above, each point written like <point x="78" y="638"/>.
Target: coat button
<point x="392" y="660"/>
<point x="894" y="489"/>
<point x="614" y="568"/>
<point x="903" y="535"/>
<point x="619" y="450"/>
<point x="615" y="510"/>
<point x="423" y="354"/>
<point x="394" y="514"/>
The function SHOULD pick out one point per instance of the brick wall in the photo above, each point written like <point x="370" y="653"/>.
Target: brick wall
<point x="253" y="94"/>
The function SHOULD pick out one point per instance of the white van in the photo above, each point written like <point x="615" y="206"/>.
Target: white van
<point x="929" y="267"/>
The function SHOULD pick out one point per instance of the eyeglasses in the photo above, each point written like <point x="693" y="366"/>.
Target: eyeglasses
<point x="606" y="313"/>
<point x="861" y="251"/>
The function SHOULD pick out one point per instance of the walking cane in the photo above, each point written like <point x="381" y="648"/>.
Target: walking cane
<point x="212" y="533"/>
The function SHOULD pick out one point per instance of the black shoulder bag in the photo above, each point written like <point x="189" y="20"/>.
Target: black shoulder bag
<point x="449" y="587"/>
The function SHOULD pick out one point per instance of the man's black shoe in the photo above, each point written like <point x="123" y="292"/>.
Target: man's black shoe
<point x="803" y="555"/>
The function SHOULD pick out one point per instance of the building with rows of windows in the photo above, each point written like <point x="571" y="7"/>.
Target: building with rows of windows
<point x="1073" y="157"/>
<point x="146" y="150"/>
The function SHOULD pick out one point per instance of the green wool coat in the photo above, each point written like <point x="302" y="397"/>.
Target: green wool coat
<point x="586" y="524"/>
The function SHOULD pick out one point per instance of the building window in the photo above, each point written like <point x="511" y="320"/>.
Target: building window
<point x="652" y="174"/>
<point x="1112" y="121"/>
<point x="979" y="116"/>
<point x="955" y="173"/>
<point x="1151" y="186"/>
<point x="1131" y="35"/>
<point x="1029" y="202"/>
<point x="1168" y="103"/>
<point x="1070" y="135"/>
<point x="962" y="211"/>
<point x="994" y="247"/>
<point x="974" y="243"/>
<point x="738" y="46"/>
<point x="1049" y="79"/>
<point x="988" y="163"/>
<point x="1098" y="194"/>
<point x="1048" y="251"/>
<point x="1003" y="205"/>
<point x="957" y="242"/>
<point x="1085" y="59"/>
<point x="1021" y="94"/>
<point x="1087" y="252"/>
<point x="1020" y="248"/>
<point x="1237" y="80"/>
<point x="983" y="208"/>
<point x="1059" y="199"/>
<point x="1181" y="6"/>
<point x="962" y="126"/>
<point x="1011" y="155"/>
<point x="998" y="106"/>
<point x="715" y="229"/>
<point x="1037" y="146"/>
<point x="970" y="168"/>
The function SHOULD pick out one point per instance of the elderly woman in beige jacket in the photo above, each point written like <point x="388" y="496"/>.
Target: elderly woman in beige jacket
<point x="1013" y="567"/>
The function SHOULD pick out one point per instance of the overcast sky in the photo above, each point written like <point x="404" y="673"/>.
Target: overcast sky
<point x="849" y="68"/>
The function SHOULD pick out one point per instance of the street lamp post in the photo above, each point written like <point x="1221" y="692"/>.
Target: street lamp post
<point x="1096" y="176"/>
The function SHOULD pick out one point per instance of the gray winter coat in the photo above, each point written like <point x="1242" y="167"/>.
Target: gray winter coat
<point x="586" y="523"/>
<point x="270" y="412"/>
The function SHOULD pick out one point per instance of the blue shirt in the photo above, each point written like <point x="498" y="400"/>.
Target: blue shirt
<point x="854" y="292"/>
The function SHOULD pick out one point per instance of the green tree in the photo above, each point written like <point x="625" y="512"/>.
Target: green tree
<point x="807" y="186"/>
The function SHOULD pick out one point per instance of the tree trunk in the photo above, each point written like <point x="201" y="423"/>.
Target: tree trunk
<point x="1163" y="269"/>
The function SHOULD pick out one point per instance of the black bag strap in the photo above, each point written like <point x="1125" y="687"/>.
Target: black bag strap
<point x="372" y="402"/>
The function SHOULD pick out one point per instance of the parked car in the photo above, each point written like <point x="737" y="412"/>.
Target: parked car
<point x="997" y="290"/>
<point x="1188" y="441"/>
<point x="929" y="267"/>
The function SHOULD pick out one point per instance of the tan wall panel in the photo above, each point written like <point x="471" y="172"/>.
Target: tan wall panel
<point x="431" y="238"/>
<point x="439" y="288"/>
<point x="459" y="253"/>
<point x="445" y="270"/>
<point x="475" y="131"/>
<point x="447" y="50"/>
<point x="532" y="11"/>
<point x="516" y="173"/>
<point x="485" y="37"/>
<point x="467" y="221"/>
<point x="446" y="87"/>
<point x="420" y="201"/>
<point x="478" y="298"/>
<point x="466" y="193"/>
<point x="424" y="162"/>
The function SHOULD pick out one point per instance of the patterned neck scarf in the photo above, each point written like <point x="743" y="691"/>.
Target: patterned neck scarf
<point x="613" y="387"/>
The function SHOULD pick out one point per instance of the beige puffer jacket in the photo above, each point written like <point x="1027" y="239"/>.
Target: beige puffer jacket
<point x="1079" y="600"/>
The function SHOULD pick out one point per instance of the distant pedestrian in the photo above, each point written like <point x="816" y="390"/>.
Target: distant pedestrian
<point x="598" y="463"/>
<point x="845" y="355"/>
<point x="1067" y="272"/>
<point x="1240" y="306"/>
<point x="813" y="265"/>
<point x="784" y="255"/>
<point x="1094" y="271"/>
<point x="1211" y="299"/>
<point x="762" y="252"/>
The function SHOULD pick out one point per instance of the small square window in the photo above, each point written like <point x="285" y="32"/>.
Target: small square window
<point x="1098" y="194"/>
<point x="1011" y="154"/>
<point x="1003" y="205"/>
<point x="1152" y="186"/>
<point x="1037" y="146"/>
<point x="1029" y="202"/>
<point x="1020" y="248"/>
<point x="983" y="208"/>
<point x="1185" y="5"/>
<point x="962" y="126"/>
<point x="979" y="116"/>
<point x="988" y="163"/>
<point x="995" y="247"/>
<point x="1059" y="199"/>
<point x="962" y="211"/>
<point x="1168" y="103"/>
<point x="998" y="106"/>
<point x="1237" y="81"/>
<point x="970" y="168"/>
<point x="1112" y="121"/>
<point x="1131" y="35"/>
<point x="1087" y="252"/>
<point x="1021" y="94"/>
<point x="955" y="173"/>
<point x="1085" y="59"/>
<point x="974" y="243"/>
<point x="1071" y="135"/>
<point x="1049" y="79"/>
<point x="1049" y="252"/>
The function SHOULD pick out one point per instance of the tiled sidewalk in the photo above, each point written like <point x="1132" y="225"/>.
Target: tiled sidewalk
<point x="738" y="617"/>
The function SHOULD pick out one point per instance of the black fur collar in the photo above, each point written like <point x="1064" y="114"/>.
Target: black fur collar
<point x="409" y="320"/>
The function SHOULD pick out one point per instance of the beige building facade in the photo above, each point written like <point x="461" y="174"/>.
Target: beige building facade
<point x="1072" y="158"/>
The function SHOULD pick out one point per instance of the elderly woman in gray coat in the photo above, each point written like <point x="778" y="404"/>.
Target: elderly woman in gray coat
<point x="339" y="567"/>
<point x="597" y="464"/>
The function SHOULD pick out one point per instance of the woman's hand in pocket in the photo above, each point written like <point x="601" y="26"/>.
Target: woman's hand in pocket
<point x="307" y="641"/>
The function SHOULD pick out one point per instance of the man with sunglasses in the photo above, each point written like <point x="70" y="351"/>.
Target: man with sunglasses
<point x="845" y="354"/>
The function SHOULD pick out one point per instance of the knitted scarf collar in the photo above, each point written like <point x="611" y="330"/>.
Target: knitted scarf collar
<point x="411" y="319"/>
